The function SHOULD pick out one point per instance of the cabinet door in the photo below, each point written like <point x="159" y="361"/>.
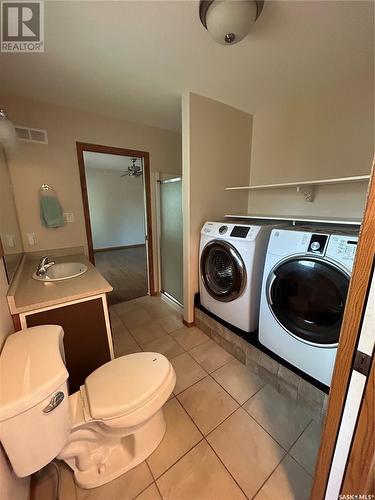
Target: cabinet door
<point x="85" y="337"/>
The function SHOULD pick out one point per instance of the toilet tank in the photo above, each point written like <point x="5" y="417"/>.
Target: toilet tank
<point x="34" y="404"/>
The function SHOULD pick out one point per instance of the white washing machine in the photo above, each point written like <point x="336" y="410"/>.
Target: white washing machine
<point x="231" y="268"/>
<point x="305" y="284"/>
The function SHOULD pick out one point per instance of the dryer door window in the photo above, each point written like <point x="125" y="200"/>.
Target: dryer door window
<point x="222" y="270"/>
<point x="307" y="296"/>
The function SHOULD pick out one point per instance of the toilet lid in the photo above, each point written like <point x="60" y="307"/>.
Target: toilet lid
<point x="126" y="383"/>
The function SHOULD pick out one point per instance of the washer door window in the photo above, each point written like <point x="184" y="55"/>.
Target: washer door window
<point x="307" y="296"/>
<point x="223" y="271"/>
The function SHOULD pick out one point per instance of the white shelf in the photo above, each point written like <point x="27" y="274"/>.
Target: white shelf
<point x="319" y="182"/>
<point x="300" y="218"/>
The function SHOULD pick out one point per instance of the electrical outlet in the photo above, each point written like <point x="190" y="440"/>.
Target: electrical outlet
<point x="10" y="240"/>
<point x="68" y="216"/>
<point x="31" y="238"/>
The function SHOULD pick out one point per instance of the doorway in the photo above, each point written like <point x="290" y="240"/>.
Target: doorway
<point x="115" y="185"/>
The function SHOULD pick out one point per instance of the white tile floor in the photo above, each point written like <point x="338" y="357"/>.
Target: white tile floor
<point x="229" y="435"/>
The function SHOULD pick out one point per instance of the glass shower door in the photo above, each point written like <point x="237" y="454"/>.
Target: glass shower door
<point x="171" y="238"/>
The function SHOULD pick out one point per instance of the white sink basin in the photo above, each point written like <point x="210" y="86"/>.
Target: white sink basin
<point x="63" y="271"/>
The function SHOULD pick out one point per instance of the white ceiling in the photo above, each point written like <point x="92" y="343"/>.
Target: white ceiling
<point x="133" y="60"/>
<point x="107" y="161"/>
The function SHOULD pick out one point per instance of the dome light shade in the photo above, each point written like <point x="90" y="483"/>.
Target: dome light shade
<point x="229" y="21"/>
<point x="7" y="131"/>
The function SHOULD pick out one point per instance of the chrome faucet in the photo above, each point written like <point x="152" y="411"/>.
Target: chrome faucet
<point x="43" y="265"/>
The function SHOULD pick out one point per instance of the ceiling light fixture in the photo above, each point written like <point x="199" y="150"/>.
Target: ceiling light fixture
<point x="7" y="131"/>
<point x="134" y="170"/>
<point x="229" y="21"/>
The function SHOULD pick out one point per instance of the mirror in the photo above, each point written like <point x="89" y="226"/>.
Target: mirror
<point x="10" y="233"/>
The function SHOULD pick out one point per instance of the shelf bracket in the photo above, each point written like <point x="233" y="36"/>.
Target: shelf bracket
<point x="307" y="191"/>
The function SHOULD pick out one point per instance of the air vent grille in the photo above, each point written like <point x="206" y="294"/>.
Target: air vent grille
<point x="23" y="133"/>
<point x="32" y="135"/>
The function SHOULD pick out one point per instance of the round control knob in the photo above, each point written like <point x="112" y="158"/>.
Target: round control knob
<point x="315" y="245"/>
<point x="223" y="229"/>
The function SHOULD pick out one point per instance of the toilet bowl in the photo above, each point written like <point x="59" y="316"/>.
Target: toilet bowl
<point x="114" y="422"/>
<point x="117" y="417"/>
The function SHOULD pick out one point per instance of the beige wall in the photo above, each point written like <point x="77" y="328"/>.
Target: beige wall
<point x="216" y="154"/>
<point x="11" y="487"/>
<point x="6" y="324"/>
<point x="326" y="134"/>
<point x="31" y="164"/>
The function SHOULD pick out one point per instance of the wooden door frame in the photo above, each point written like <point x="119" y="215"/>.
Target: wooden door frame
<point x="98" y="148"/>
<point x="360" y="470"/>
<point x="350" y="331"/>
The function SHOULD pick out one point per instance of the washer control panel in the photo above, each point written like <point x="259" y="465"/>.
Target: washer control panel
<point x="317" y="244"/>
<point x="338" y="247"/>
<point x="342" y="249"/>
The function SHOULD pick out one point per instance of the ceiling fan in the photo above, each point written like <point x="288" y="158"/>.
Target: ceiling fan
<point x="133" y="170"/>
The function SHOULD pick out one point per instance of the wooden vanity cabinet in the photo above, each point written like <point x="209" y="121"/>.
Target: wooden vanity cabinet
<point x="87" y="335"/>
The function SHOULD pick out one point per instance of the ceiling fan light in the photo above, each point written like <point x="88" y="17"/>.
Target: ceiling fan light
<point x="134" y="170"/>
<point x="229" y="21"/>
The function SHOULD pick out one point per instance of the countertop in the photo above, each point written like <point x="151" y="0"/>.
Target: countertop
<point x="26" y="294"/>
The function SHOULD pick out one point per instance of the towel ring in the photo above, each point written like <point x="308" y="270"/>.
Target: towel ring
<point x="46" y="187"/>
<point x="47" y="190"/>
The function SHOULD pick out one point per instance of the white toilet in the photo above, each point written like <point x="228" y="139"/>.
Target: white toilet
<point x="109" y="426"/>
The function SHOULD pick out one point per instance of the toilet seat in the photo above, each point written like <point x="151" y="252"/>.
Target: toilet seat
<point x="126" y="384"/>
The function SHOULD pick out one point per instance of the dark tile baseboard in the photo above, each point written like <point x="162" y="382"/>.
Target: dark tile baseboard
<point x="286" y="381"/>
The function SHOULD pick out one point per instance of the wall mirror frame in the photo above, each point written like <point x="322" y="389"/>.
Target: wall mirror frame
<point x="11" y="246"/>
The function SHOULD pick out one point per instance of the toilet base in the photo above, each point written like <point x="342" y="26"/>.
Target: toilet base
<point x="95" y="464"/>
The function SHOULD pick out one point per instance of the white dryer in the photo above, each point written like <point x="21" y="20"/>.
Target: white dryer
<point x="305" y="284"/>
<point x="231" y="267"/>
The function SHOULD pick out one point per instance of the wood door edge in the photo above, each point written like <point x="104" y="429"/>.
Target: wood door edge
<point x="347" y="344"/>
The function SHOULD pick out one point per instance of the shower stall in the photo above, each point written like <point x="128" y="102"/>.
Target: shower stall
<point x="170" y="238"/>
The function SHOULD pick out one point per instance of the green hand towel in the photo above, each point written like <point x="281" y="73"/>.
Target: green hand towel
<point x="50" y="212"/>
